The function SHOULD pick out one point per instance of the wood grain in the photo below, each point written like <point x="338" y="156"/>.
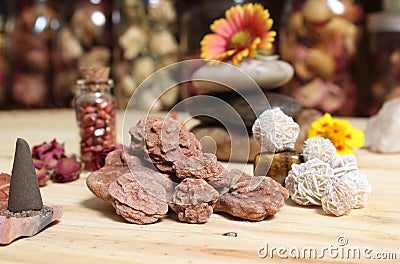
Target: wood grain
<point x="91" y="232"/>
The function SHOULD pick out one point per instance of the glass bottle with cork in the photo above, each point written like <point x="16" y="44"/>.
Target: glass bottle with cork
<point x="96" y="113"/>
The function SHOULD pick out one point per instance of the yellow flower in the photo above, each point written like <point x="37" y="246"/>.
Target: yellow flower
<point x="340" y="132"/>
<point x="244" y="32"/>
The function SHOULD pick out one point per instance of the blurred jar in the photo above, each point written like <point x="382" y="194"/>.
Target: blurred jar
<point x="30" y="45"/>
<point x="319" y="38"/>
<point x="85" y="39"/>
<point x="4" y="71"/>
<point x="146" y="42"/>
<point x="384" y="40"/>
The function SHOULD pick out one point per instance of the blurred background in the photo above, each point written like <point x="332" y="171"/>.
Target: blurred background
<point x="346" y="53"/>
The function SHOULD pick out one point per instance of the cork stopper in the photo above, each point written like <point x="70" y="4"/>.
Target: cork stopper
<point x="95" y="74"/>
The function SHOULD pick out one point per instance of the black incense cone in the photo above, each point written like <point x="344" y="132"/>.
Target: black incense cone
<point x="24" y="188"/>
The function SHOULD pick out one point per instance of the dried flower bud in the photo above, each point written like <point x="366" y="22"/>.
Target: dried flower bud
<point x="308" y="182"/>
<point x="275" y="131"/>
<point x="320" y="148"/>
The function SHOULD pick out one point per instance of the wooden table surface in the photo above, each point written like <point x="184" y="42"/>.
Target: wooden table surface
<point x="91" y="232"/>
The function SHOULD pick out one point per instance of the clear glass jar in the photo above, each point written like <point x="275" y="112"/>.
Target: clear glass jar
<point x="146" y="42"/>
<point x="384" y="39"/>
<point x="96" y="115"/>
<point x="30" y="45"/>
<point x="3" y="56"/>
<point x="319" y="38"/>
<point x="85" y="39"/>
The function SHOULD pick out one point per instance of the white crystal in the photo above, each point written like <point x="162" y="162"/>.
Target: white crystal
<point x="275" y="131"/>
<point x="382" y="133"/>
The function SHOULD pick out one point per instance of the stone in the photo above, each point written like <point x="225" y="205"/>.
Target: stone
<point x="163" y="141"/>
<point x="15" y="226"/>
<point x="247" y="112"/>
<point x="119" y="163"/>
<point x="275" y="131"/>
<point x="276" y="165"/>
<point x="205" y="166"/>
<point x="216" y="140"/>
<point x="138" y="198"/>
<point x="99" y="181"/>
<point x="382" y="133"/>
<point x="308" y="182"/>
<point x="193" y="200"/>
<point x="4" y="189"/>
<point x="24" y="187"/>
<point x="268" y="74"/>
<point x="252" y="198"/>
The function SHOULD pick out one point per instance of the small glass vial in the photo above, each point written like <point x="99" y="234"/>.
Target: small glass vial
<point x="95" y="112"/>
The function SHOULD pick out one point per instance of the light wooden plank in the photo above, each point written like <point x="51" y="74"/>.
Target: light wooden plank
<point x="91" y="232"/>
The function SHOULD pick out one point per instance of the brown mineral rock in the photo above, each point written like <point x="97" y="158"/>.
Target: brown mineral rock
<point x="164" y="165"/>
<point x="252" y="198"/>
<point x="138" y="198"/>
<point x="99" y="181"/>
<point x="194" y="200"/>
<point x="119" y="163"/>
<point x="165" y="141"/>
<point x="205" y="166"/>
<point x="4" y="189"/>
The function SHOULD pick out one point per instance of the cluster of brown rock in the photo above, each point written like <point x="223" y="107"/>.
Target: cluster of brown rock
<point x="164" y="167"/>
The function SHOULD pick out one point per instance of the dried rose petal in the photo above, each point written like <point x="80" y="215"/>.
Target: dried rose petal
<point x="99" y="156"/>
<point x="49" y="153"/>
<point x="67" y="170"/>
<point x="42" y="179"/>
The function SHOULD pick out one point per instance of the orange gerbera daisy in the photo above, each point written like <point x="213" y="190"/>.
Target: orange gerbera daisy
<point x="244" y="32"/>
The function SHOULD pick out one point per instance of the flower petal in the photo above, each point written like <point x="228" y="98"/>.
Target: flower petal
<point x="222" y="28"/>
<point x="245" y="30"/>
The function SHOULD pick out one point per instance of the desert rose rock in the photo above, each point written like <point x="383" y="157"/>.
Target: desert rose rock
<point x="162" y="141"/>
<point x="99" y="181"/>
<point x="138" y="198"/>
<point x="252" y="198"/>
<point x="4" y="189"/>
<point x="267" y="74"/>
<point x="382" y="133"/>
<point x="194" y="200"/>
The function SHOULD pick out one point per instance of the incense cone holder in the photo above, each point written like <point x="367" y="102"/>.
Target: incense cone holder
<point x="13" y="226"/>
